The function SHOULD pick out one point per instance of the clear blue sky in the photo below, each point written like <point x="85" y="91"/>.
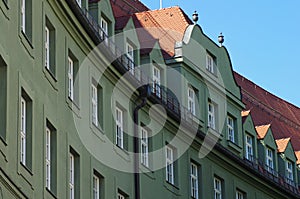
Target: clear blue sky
<point x="262" y="37"/>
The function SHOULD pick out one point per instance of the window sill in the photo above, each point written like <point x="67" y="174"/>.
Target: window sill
<point x="234" y="146"/>
<point x="122" y="153"/>
<point x="147" y="171"/>
<point x="172" y="188"/>
<point x="26" y="43"/>
<point x="51" y="78"/>
<point x="51" y="193"/>
<point x="73" y="106"/>
<point x="98" y="132"/>
<point x="4" y="8"/>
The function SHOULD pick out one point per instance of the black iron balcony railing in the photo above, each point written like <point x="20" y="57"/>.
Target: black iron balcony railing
<point x="166" y="98"/>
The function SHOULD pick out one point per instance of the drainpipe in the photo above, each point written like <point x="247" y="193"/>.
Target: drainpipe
<point x="144" y="94"/>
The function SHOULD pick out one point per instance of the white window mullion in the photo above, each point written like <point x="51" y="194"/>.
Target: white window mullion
<point x="239" y="195"/>
<point x="211" y="115"/>
<point x="269" y="160"/>
<point x="23" y="131"/>
<point x="249" y="148"/>
<point x="70" y="78"/>
<point x="144" y="148"/>
<point x="130" y="55"/>
<point x="71" y="181"/>
<point x="169" y="165"/>
<point x="194" y="181"/>
<point x="104" y="26"/>
<point x="289" y="170"/>
<point x="48" y="158"/>
<point x="230" y="127"/>
<point x="119" y="128"/>
<point x="156" y="81"/>
<point x="96" y="185"/>
<point x="191" y="100"/>
<point x="217" y="188"/>
<point x="94" y="105"/>
<point x="120" y="196"/>
<point x="47" y="49"/>
<point x="23" y="16"/>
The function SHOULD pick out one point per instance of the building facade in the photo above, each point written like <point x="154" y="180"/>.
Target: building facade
<point x="108" y="99"/>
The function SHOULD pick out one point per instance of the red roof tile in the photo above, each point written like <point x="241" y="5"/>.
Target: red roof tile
<point x="282" y="144"/>
<point x="267" y="108"/>
<point x="262" y="131"/>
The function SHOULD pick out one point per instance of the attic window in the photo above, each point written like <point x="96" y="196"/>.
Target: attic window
<point x="210" y="62"/>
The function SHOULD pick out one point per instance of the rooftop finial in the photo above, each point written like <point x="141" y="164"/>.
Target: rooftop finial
<point x="195" y="17"/>
<point x="221" y="39"/>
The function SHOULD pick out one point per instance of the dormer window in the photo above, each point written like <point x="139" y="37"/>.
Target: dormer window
<point x="210" y="63"/>
<point x="191" y="100"/>
<point x="104" y="27"/>
<point x="269" y="160"/>
<point x="156" y="81"/>
<point x="289" y="172"/>
<point x="130" y="56"/>
<point x="249" y="148"/>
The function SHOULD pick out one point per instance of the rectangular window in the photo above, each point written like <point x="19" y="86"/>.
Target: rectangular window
<point x="217" y="188"/>
<point x="239" y="195"/>
<point x="191" y="100"/>
<point x="194" y="181"/>
<point x="130" y="56"/>
<point x="26" y="18"/>
<point x="49" y="47"/>
<point x="144" y="147"/>
<point x="169" y="165"/>
<point x="289" y="172"/>
<point x="119" y="128"/>
<point x="211" y="115"/>
<point x="70" y="78"/>
<point x="156" y="81"/>
<point x="230" y="128"/>
<point x="72" y="176"/>
<point x="25" y="130"/>
<point x="249" y="147"/>
<point x="3" y="98"/>
<point x="50" y="157"/>
<point x="209" y="63"/>
<point x="94" y="104"/>
<point x="269" y="160"/>
<point x="96" y="187"/>
<point x="104" y="27"/>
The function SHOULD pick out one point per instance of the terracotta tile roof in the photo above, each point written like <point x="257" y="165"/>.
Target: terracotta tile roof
<point x="127" y="7"/>
<point x="267" y="108"/>
<point x="282" y="144"/>
<point x="262" y="131"/>
<point x="164" y="25"/>
<point x="297" y="153"/>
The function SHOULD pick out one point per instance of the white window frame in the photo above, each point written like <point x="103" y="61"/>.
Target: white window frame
<point x="70" y="78"/>
<point x="119" y="128"/>
<point x="289" y="171"/>
<point x="211" y="115"/>
<point x="249" y="147"/>
<point x="144" y="147"/>
<point x="104" y="26"/>
<point x="130" y="55"/>
<point x="217" y="188"/>
<point x="239" y="195"/>
<point x="209" y="63"/>
<point x="156" y="81"/>
<point x="120" y="196"/>
<point x="94" y="104"/>
<point x="23" y="16"/>
<point x="269" y="160"/>
<point x="169" y="164"/>
<point x="47" y="48"/>
<point x="194" y="180"/>
<point x="79" y="3"/>
<point x="230" y="128"/>
<point x="72" y="175"/>
<point x="23" y="131"/>
<point x="191" y="100"/>
<point x="96" y="187"/>
<point x="48" y="158"/>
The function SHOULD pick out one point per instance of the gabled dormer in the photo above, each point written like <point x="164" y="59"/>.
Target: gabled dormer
<point x="102" y="12"/>
<point x="267" y="149"/>
<point x="286" y="161"/>
<point x="249" y="136"/>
